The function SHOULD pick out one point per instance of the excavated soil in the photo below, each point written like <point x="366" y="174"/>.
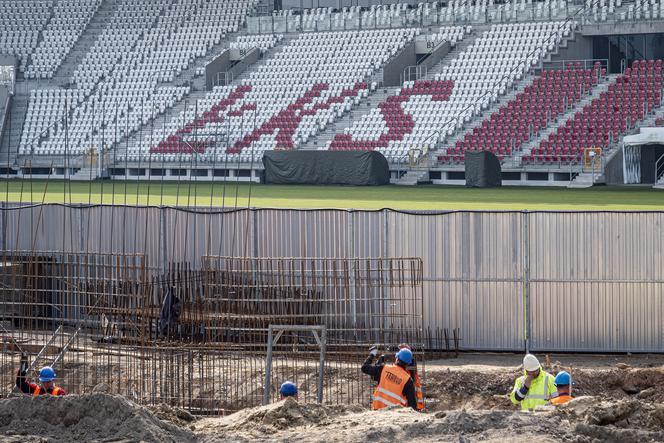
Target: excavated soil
<point x="617" y="401"/>
<point x="93" y="417"/>
<point x="585" y="419"/>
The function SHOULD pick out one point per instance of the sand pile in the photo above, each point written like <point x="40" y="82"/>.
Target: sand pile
<point x="93" y="417"/>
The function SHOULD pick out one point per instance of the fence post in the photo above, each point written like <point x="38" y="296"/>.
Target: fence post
<point x="3" y="225"/>
<point x="351" y="277"/>
<point x="321" y="364"/>
<point x="268" y="367"/>
<point x="526" y="278"/>
<point x="81" y="236"/>
<point x="386" y="253"/>
<point x="162" y="233"/>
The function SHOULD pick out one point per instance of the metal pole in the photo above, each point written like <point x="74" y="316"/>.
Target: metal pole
<point x="268" y="368"/>
<point x="162" y="233"/>
<point x="3" y="222"/>
<point x="321" y="365"/>
<point x="351" y="277"/>
<point x="526" y="277"/>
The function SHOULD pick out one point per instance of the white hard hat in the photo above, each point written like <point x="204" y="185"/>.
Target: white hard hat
<point x="530" y="363"/>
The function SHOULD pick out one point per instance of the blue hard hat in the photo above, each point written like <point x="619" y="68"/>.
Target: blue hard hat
<point x="46" y="374"/>
<point x="405" y="355"/>
<point x="562" y="378"/>
<point x="288" y="389"/>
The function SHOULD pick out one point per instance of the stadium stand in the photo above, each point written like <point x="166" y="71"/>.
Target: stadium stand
<point x="145" y="43"/>
<point x="68" y="21"/>
<point x="295" y="94"/>
<point x="20" y="26"/>
<point x="481" y="73"/>
<point x="96" y="73"/>
<point x="626" y="103"/>
<point x="521" y="119"/>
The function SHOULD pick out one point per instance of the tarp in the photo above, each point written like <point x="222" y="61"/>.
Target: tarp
<point x="358" y="168"/>
<point x="646" y="136"/>
<point x="482" y="170"/>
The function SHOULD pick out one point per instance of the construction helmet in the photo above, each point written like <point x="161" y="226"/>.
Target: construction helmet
<point x="562" y="378"/>
<point x="530" y="363"/>
<point x="46" y="374"/>
<point x="405" y="346"/>
<point x="405" y="355"/>
<point x="288" y="389"/>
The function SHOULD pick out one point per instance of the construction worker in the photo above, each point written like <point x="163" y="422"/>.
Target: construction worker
<point x="288" y="389"/>
<point x="563" y="382"/>
<point x="46" y="377"/>
<point x="395" y="386"/>
<point x="416" y="379"/>
<point x="535" y="387"/>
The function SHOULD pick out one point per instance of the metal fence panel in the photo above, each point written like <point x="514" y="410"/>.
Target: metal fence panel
<point x="597" y="281"/>
<point x="472" y="274"/>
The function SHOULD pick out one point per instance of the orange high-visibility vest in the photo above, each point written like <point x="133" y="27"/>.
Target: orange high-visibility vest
<point x="560" y="400"/>
<point x="418" y="392"/>
<point x="389" y="391"/>
<point x="55" y="391"/>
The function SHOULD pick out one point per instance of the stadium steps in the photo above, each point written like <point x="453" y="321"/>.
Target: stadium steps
<point x="603" y="86"/>
<point x="322" y="140"/>
<point x="85" y="174"/>
<point x="63" y="75"/>
<point x="412" y="177"/>
<point x="13" y="128"/>
<point x="584" y="180"/>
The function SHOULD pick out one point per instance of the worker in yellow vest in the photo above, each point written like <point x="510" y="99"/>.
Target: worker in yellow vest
<point x="535" y="387"/>
<point x="395" y="386"/>
<point x="416" y="378"/>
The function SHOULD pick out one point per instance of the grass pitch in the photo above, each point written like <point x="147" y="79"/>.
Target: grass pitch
<point x="344" y="197"/>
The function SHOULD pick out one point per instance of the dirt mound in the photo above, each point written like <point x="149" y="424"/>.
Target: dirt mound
<point x="83" y="418"/>
<point x="267" y="420"/>
<point x="585" y="419"/>
<point x="468" y="389"/>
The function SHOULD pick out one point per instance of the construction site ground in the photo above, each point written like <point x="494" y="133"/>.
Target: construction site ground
<point x="619" y="398"/>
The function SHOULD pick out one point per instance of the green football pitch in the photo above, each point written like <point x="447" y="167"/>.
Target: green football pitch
<point x="395" y="197"/>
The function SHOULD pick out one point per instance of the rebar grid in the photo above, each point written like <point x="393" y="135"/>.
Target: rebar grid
<point x="100" y="315"/>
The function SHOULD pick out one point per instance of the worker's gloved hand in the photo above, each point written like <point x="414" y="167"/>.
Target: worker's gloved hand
<point x="373" y="351"/>
<point x="529" y="379"/>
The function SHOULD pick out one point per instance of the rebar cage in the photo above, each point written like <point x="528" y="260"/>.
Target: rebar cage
<point x="196" y="335"/>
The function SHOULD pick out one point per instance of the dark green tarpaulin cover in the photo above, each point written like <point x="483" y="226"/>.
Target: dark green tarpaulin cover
<point x="359" y="168"/>
<point x="482" y="170"/>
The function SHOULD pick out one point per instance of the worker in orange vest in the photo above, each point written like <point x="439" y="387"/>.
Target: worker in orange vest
<point x="46" y="377"/>
<point x="563" y="382"/>
<point x="395" y="386"/>
<point x="416" y="378"/>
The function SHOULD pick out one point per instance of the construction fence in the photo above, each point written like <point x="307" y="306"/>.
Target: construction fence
<point x="546" y="281"/>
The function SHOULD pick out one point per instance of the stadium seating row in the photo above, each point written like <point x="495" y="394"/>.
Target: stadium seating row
<point x="534" y="109"/>
<point x="305" y="86"/>
<point x="634" y="94"/>
<point x="143" y="44"/>
<point x="481" y="73"/>
<point x="68" y="21"/>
